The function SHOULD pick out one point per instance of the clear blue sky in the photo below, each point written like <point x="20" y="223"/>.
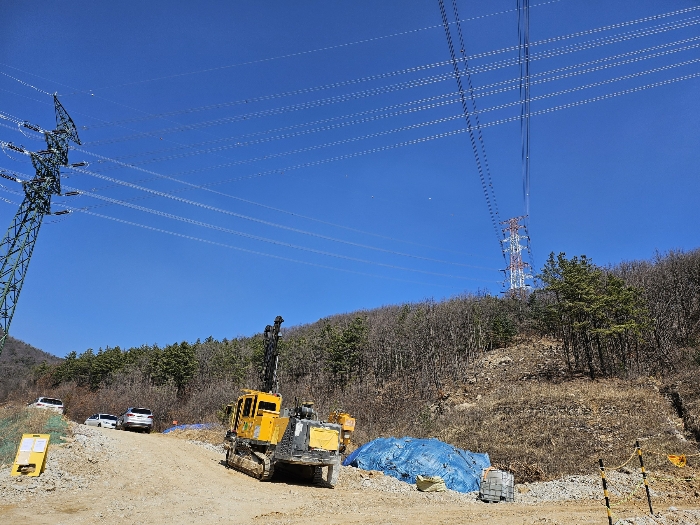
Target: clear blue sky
<point x="194" y="92"/>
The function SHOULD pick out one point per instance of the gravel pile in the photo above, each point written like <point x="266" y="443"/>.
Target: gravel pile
<point x="219" y="449"/>
<point x="570" y="488"/>
<point x="578" y="488"/>
<point x="671" y="517"/>
<point x="352" y="478"/>
<point x="70" y="466"/>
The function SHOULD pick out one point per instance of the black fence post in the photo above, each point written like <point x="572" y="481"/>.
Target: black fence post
<point x="605" y="491"/>
<point x="644" y="476"/>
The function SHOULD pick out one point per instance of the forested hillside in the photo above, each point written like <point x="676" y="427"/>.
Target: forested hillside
<point x="18" y="362"/>
<point x="393" y="367"/>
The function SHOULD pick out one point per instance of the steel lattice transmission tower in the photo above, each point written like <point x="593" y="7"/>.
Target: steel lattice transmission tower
<point x="19" y="241"/>
<point x="517" y="272"/>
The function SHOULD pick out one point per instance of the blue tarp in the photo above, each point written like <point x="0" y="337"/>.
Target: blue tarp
<point x="196" y="426"/>
<point x="405" y="458"/>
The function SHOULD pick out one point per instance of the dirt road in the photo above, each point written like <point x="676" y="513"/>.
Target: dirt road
<point x="159" y="479"/>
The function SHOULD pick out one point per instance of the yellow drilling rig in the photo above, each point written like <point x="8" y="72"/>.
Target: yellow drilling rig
<point x="262" y="437"/>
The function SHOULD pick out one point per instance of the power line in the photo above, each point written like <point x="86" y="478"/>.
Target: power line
<point x="524" y="58"/>
<point x="419" y="140"/>
<point x="193" y="186"/>
<point x="276" y="242"/>
<point x="191" y="202"/>
<point x="26" y="84"/>
<point x="448" y="133"/>
<point x="550" y="40"/>
<point x="516" y="266"/>
<point x="570" y="90"/>
<point x="259" y="221"/>
<point x="475" y="112"/>
<point x="268" y="240"/>
<point x="237" y="248"/>
<point x="492" y="66"/>
<point x="467" y="116"/>
<point x="300" y="53"/>
<point x="472" y="113"/>
<point x="413" y="106"/>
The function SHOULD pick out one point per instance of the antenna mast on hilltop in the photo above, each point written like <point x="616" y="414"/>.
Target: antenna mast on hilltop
<point x="516" y="272"/>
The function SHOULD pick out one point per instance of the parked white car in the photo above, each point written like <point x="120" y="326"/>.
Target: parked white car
<point x="48" y="403"/>
<point x="102" y="420"/>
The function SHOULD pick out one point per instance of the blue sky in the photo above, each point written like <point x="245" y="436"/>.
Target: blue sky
<point x="267" y="166"/>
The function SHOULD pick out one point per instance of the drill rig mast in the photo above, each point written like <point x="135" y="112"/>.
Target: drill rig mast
<point x="271" y="337"/>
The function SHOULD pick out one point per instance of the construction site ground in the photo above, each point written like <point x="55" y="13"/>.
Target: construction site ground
<point x="110" y="476"/>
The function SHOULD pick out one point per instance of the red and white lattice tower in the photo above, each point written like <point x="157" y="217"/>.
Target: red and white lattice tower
<point x="517" y="271"/>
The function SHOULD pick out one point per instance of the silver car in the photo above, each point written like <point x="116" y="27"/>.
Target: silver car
<point x="102" y="420"/>
<point x="137" y="418"/>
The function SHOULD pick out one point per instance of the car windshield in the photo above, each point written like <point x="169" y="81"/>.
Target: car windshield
<point x="50" y="401"/>
<point x="107" y="416"/>
<point x="141" y="411"/>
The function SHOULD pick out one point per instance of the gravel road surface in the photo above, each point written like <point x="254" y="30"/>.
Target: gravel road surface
<point x="113" y="476"/>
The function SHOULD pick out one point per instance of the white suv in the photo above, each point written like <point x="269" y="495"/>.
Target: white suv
<point x="139" y="418"/>
<point x="48" y="403"/>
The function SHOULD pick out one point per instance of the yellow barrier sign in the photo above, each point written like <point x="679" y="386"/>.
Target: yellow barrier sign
<point x="31" y="455"/>
<point x="679" y="461"/>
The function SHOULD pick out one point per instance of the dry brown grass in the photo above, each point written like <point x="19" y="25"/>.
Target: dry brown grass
<point x="540" y="423"/>
<point x="16" y="420"/>
<point x="33" y="419"/>
<point x="214" y="436"/>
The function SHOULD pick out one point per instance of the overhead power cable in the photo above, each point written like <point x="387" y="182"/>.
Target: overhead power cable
<point x="256" y="220"/>
<point x="237" y="248"/>
<point x="269" y="240"/>
<point x="445" y="134"/>
<point x="300" y="53"/>
<point x="422" y="139"/>
<point x="20" y="122"/>
<point x="613" y="39"/>
<point x="276" y="242"/>
<point x="432" y="137"/>
<point x="194" y="186"/>
<point x="491" y="200"/>
<point x="524" y="59"/>
<point x="570" y="90"/>
<point x="473" y="113"/>
<point x="413" y="106"/>
<point x="272" y="208"/>
<point x="516" y="268"/>
<point x="27" y="84"/>
<point x="389" y="74"/>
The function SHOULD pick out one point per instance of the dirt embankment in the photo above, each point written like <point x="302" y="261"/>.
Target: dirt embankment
<point x="522" y="406"/>
<point x="109" y="476"/>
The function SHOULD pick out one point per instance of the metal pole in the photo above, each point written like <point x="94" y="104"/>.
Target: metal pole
<point x="644" y="476"/>
<point x="605" y="491"/>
